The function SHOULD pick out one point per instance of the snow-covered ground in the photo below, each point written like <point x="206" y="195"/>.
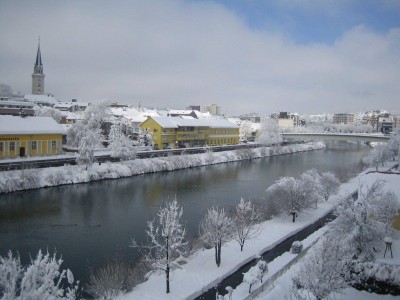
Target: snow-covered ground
<point x="281" y="286"/>
<point x="37" y="178"/>
<point x="200" y="273"/>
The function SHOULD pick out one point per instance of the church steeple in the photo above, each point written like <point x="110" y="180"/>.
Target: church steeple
<point x="38" y="76"/>
<point x="38" y="69"/>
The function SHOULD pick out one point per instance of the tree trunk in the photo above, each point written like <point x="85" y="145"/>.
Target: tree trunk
<point x="216" y="254"/>
<point x="219" y="253"/>
<point x="167" y="269"/>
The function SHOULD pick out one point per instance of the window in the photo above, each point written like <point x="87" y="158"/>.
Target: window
<point x="12" y="146"/>
<point x="34" y="145"/>
<point x="53" y="144"/>
<point x="1" y="146"/>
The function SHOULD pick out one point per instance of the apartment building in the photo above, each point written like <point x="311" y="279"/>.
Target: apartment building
<point x="177" y="132"/>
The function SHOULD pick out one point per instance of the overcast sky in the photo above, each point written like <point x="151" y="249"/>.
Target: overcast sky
<point x="306" y="56"/>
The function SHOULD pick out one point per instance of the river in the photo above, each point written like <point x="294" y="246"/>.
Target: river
<point x="91" y="224"/>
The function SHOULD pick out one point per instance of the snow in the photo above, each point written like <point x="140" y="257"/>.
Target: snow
<point x="200" y="272"/>
<point x="46" y="98"/>
<point x="12" y="125"/>
<point x="175" y="122"/>
<point x="36" y="178"/>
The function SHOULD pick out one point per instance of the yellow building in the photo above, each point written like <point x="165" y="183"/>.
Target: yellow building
<point x="177" y="132"/>
<point x="29" y="136"/>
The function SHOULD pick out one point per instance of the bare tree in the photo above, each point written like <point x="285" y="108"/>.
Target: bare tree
<point x="112" y="279"/>
<point x="167" y="240"/>
<point x="215" y="230"/>
<point x="246" y="218"/>
<point x="323" y="270"/>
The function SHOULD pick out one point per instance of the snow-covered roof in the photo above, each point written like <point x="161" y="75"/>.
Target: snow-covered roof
<point x="47" y="98"/>
<point x="5" y="103"/>
<point x="175" y="122"/>
<point x="180" y="112"/>
<point x="166" y="122"/>
<point x="124" y="111"/>
<point x="29" y="125"/>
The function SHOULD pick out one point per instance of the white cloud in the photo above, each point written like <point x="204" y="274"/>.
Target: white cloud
<point x="175" y="53"/>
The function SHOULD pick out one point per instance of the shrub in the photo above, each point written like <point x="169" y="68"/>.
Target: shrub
<point x="296" y="248"/>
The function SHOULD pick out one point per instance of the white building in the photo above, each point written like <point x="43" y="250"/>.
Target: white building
<point x="213" y="109"/>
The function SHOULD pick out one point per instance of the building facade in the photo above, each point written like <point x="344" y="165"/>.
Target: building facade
<point x="343" y="118"/>
<point x="38" y="75"/>
<point x="176" y="132"/>
<point x="29" y="136"/>
<point x="213" y="109"/>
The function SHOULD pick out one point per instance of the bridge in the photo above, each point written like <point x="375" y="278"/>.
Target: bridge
<point x="355" y="137"/>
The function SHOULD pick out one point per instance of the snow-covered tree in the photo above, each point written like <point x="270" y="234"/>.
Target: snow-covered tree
<point x="145" y="138"/>
<point x="310" y="182"/>
<point x="393" y="145"/>
<point x="385" y="208"/>
<point x="215" y="230"/>
<point x="269" y="133"/>
<point x="45" y="111"/>
<point x="86" y="150"/>
<point x="167" y="240"/>
<point x="246" y="218"/>
<point x="323" y="270"/>
<point x="329" y="184"/>
<point x="6" y="90"/>
<point x="288" y="195"/>
<point x="356" y="227"/>
<point x="245" y="131"/>
<point x="93" y="118"/>
<point x="42" y="279"/>
<point x="377" y="156"/>
<point x="120" y="145"/>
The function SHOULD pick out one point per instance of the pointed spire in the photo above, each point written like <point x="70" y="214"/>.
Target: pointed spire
<point x="38" y="68"/>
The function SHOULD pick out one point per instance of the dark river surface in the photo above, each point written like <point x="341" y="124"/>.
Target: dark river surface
<point x="91" y="224"/>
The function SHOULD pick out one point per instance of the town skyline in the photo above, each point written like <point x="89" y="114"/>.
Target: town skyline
<point x="243" y="56"/>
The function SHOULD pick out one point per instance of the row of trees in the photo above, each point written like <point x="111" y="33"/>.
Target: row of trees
<point x="88" y="134"/>
<point x="167" y="241"/>
<point x="384" y="152"/>
<point x="354" y="238"/>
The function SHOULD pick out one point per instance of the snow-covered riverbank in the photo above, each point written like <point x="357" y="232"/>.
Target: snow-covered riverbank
<point x="199" y="273"/>
<point x="11" y="181"/>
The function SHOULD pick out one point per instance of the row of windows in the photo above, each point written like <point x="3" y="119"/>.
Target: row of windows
<point x="222" y="141"/>
<point x="11" y="145"/>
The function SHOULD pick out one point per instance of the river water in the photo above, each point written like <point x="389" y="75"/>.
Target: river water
<point x="91" y="224"/>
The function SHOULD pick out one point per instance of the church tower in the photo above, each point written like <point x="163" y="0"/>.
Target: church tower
<point x="38" y="76"/>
